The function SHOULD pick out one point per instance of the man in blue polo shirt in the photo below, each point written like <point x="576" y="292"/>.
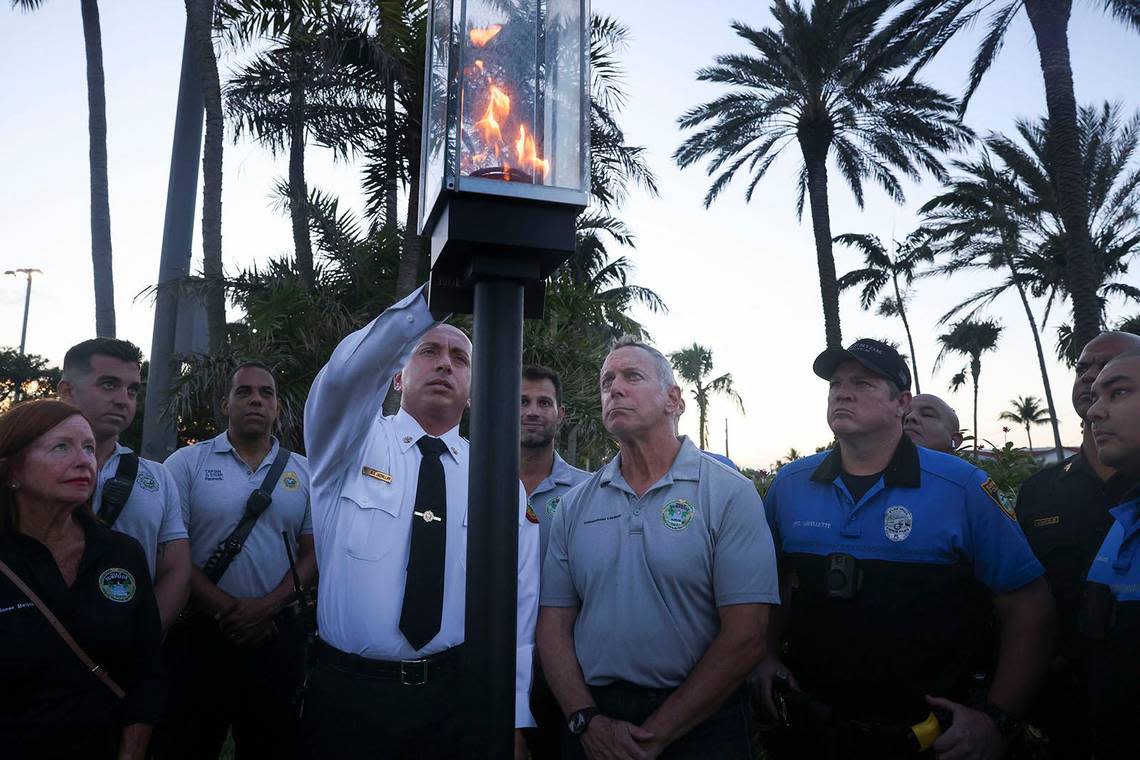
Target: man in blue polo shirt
<point x="1114" y="623"/>
<point x="881" y="546"/>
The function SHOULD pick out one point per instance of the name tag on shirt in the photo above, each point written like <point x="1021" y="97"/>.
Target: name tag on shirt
<point x="381" y="476"/>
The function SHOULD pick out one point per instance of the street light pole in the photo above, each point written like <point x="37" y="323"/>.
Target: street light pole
<point x="27" y="272"/>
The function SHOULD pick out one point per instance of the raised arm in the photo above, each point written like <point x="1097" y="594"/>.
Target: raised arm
<point x="348" y="392"/>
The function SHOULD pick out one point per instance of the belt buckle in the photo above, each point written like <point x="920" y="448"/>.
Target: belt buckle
<point x="413" y="672"/>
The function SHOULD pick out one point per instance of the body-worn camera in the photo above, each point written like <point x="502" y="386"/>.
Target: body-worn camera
<point x="842" y="576"/>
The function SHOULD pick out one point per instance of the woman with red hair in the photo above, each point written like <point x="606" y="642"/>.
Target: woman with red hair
<point x="79" y="628"/>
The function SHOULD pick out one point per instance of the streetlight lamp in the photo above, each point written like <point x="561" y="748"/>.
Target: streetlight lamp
<point x="504" y="174"/>
<point x="27" y="272"/>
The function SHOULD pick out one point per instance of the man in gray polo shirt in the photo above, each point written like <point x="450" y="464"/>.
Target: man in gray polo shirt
<point x="242" y="666"/>
<point x="102" y="377"/>
<point x="546" y="477"/>
<point x="656" y="585"/>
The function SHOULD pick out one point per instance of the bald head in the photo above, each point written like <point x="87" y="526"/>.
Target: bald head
<point x="1098" y="352"/>
<point x="1114" y="415"/>
<point x="932" y="423"/>
<point x="436" y="382"/>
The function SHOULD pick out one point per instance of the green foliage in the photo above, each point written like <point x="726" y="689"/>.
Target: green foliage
<point x="1007" y="466"/>
<point x="25" y="376"/>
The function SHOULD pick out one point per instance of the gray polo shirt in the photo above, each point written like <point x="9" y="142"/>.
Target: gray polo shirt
<point x="153" y="513"/>
<point x="214" y="484"/>
<point x="649" y="573"/>
<point x="547" y="496"/>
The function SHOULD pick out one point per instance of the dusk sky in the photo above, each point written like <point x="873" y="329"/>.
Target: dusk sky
<point x="739" y="278"/>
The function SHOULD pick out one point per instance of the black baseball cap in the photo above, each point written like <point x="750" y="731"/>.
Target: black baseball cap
<point x="872" y="354"/>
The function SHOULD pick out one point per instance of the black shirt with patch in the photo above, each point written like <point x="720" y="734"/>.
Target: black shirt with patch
<point x="50" y="705"/>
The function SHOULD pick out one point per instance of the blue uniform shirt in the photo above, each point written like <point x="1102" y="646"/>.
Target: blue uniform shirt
<point x="922" y="539"/>
<point x="1117" y="562"/>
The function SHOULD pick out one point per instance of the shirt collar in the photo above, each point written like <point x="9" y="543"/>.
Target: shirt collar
<point x="1128" y="515"/>
<point x="904" y="470"/>
<point x="408" y="431"/>
<point x="686" y="466"/>
<point x="561" y="473"/>
<point x="223" y="445"/>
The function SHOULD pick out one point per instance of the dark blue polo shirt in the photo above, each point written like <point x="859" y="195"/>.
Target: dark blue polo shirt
<point x="926" y="538"/>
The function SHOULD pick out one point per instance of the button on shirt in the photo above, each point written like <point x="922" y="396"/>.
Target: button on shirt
<point x="648" y="573"/>
<point x="153" y="513"/>
<point x="215" y="484"/>
<point x="547" y="496"/>
<point x="365" y="470"/>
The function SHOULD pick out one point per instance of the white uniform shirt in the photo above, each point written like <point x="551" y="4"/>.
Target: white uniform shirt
<point x="365" y="468"/>
<point x="153" y="513"/>
<point x="215" y="484"/>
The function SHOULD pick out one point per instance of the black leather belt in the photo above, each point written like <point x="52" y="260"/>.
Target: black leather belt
<point x="408" y="672"/>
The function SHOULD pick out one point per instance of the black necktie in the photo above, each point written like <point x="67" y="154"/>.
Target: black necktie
<point x="423" y="594"/>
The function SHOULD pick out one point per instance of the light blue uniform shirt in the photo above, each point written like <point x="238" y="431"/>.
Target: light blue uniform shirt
<point x="547" y="496"/>
<point x="215" y="484"/>
<point x="1117" y="562"/>
<point x="153" y="513"/>
<point x="648" y="573"/>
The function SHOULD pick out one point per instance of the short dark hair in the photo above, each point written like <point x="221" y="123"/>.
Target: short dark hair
<point x="536" y="372"/>
<point x="77" y="360"/>
<point x="251" y="364"/>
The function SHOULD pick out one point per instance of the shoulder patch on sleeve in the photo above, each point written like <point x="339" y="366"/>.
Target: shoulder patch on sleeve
<point x="991" y="489"/>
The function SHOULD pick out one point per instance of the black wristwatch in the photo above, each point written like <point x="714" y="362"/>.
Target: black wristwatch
<point x="1007" y="725"/>
<point x="580" y="719"/>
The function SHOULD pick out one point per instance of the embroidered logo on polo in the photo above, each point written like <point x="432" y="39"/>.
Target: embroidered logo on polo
<point x="552" y="505"/>
<point x="991" y="489"/>
<point x="677" y="514"/>
<point x="117" y="584"/>
<point x="290" y="481"/>
<point x="146" y="482"/>
<point x="897" y="523"/>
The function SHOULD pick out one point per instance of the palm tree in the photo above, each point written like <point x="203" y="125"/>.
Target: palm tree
<point x="932" y="23"/>
<point x="101" y="263"/>
<point x="1026" y="411"/>
<point x="969" y="338"/>
<point x="694" y="364"/>
<point x="300" y="88"/>
<point x="820" y="79"/>
<point x="880" y="268"/>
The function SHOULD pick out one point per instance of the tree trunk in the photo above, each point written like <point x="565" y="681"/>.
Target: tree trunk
<point x="298" y="191"/>
<point x="815" y="160"/>
<point x="1030" y="437"/>
<point x="976" y="373"/>
<point x="199" y="15"/>
<point x="391" y="154"/>
<point x="1040" y="356"/>
<point x="906" y="326"/>
<point x="572" y="446"/>
<point x="1084" y="273"/>
<point x="703" y="421"/>
<point x="411" y="255"/>
<point x="97" y="155"/>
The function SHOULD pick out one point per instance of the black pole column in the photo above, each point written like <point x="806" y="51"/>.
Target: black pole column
<point x="159" y="435"/>
<point x="493" y="518"/>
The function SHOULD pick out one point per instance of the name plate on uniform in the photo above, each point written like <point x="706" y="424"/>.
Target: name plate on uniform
<point x="382" y="476"/>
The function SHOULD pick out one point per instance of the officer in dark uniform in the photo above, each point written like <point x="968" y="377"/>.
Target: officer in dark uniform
<point x="882" y="545"/>
<point x="1113" y="599"/>
<point x="1064" y="511"/>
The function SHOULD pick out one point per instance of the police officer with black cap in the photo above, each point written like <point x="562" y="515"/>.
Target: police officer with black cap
<point x="882" y="545"/>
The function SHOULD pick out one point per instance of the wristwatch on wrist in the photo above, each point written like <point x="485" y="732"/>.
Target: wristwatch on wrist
<point x="1007" y="725"/>
<point x="580" y="719"/>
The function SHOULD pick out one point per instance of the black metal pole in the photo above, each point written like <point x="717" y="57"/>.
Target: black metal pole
<point x="159" y="435"/>
<point x="493" y="520"/>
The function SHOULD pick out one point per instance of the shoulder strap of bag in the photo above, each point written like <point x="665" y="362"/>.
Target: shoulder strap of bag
<point x="118" y="489"/>
<point x="226" y="552"/>
<point x="63" y="634"/>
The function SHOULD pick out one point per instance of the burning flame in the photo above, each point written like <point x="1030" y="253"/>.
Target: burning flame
<point x="498" y="107"/>
<point x="528" y="155"/>
<point x="480" y="37"/>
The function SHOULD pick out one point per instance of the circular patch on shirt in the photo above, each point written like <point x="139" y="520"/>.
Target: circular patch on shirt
<point x="146" y="482"/>
<point x="117" y="584"/>
<point x="677" y="514"/>
<point x="290" y="481"/>
<point x="552" y="505"/>
<point x="897" y="523"/>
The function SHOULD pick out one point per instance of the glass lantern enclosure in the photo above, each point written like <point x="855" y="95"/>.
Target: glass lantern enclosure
<point x="506" y="103"/>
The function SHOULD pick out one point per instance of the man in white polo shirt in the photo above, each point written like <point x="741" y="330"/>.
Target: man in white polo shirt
<point x="102" y="378"/>
<point x="242" y="665"/>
